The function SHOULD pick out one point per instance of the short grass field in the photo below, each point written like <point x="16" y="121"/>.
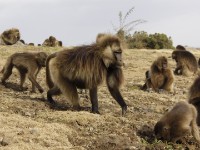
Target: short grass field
<point x="27" y="122"/>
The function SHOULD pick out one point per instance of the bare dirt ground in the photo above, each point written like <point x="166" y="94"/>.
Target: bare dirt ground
<point x="27" y="121"/>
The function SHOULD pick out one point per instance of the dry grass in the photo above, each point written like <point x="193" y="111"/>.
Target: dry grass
<point x="27" y="122"/>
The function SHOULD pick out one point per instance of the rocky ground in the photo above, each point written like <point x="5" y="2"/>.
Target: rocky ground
<point x="27" y="121"/>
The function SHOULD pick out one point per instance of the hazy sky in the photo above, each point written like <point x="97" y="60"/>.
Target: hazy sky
<point x="78" y="22"/>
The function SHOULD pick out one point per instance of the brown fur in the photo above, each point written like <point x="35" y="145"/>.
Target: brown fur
<point x="194" y="96"/>
<point x="31" y="44"/>
<point x="52" y="42"/>
<point x="180" y="47"/>
<point x="10" y="36"/>
<point x="46" y="42"/>
<point x="99" y="37"/>
<point x="160" y="76"/>
<point x="22" y="41"/>
<point x="26" y="63"/>
<point x="186" y="63"/>
<point x="177" y="123"/>
<point x="48" y="77"/>
<point x="86" y="67"/>
<point x="60" y="43"/>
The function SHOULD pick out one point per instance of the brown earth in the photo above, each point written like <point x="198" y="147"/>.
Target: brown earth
<point x="27" y="121"/>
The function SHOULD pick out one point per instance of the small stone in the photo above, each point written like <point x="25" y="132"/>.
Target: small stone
<point x="91" y="129"/>
<point x="5" y="141"/>
<point x="33" y="130"/>
<point x="130" y="148"/>
<point x="27" y="114"/>
<point x="21" y="132"/>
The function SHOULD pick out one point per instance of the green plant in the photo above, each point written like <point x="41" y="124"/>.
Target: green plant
<point x="159" y="41"/>
<point x="141" y="39"/>
<point x="137" y="40"/>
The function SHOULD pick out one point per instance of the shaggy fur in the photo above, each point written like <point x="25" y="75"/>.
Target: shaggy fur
<point x="186" y="63"/>
<point x="180" y="47"/>
<point x="194" y="96"/>
<point x="177" y="123"/>
<point x="99" y="37"/>
<point x="52" y="42"/>
<point x="85" y="63"/>
<point x="160" y="76"/>
<point x="86" y="67"/>
<point x="10" y="37"/>
<point x="26" y="63"/>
